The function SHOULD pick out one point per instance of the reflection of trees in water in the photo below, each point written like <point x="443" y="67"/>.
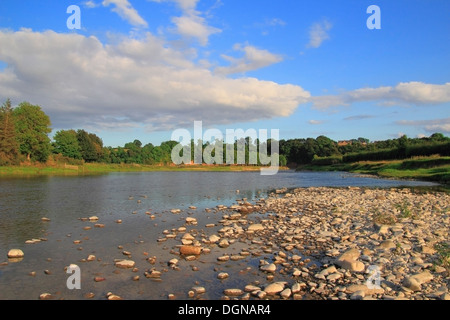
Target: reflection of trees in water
<point x="26" y="201"/>
<point x="23" y="206"/>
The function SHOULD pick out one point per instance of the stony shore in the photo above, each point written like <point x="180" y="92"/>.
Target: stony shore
<point x="331" y="243"/>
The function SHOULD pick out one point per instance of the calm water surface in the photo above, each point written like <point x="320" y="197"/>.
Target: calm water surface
<point x="128" y="196"/>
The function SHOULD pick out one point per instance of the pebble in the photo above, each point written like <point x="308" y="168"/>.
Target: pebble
<point x="15" y="253"/>
<point x="125" y="264"/>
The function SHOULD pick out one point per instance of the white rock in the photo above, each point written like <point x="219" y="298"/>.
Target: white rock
<point x="274" y="288"/>
<point x="286" y="293"/>
<point x="256" y="227"/>
<point x="125" y="264"/>
<point x="15" y="253"/>
<point x="214" y="238"/>
<point x="269" y="268"/>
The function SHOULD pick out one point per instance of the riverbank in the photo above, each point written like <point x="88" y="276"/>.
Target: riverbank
<point x="436" y="169"/>
<point x="99" y="168"/>
<point x="327" y="243"/>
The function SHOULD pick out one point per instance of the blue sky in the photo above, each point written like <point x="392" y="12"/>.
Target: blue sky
<point x="141" y="69"/>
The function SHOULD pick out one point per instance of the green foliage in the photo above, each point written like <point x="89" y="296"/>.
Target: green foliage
<point x="443" y="252"/>
<point x="32" y="129"/>
<point x="66" y="143"/>
<point x="91" y="146"/>
<point x="9" y="147"/>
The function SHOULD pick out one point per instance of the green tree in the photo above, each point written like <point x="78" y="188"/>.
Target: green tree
<point x="91" y="146"/>
<point x="66" y="143"/>
<point x="32" y="129"/>
<point x="9" y="147"/>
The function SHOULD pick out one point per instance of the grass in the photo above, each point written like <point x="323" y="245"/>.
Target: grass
<point x="100" y="168"/>
<point x="427" y="168"/>
<point x="443" y="252"/>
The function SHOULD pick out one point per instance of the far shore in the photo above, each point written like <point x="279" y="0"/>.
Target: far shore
<point x="99" y="168"/>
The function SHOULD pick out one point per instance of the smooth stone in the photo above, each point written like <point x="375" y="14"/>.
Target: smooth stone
<point x="269" y="268"/>
<point x="274" y="288"/>
<point x="45" y="296"/>
<point x="233" y="292"/>
<point x="190" y="250"/>
<point x="256" y="227"/>
<point x="15" y="253"/>
<point x="222" y="275"/>
<point x="199" y="290"/>
<point x="415" y="282"/>
<point x="125" y="264"/>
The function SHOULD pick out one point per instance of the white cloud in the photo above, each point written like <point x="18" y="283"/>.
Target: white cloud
<point x="318" y="33"/>
<point x="431" y="126"/>
<point x="90" y="4"/>
<point x="315" y="122"/>
<point x="126" y="11"/>
<point x="194" y="26"/>
<point x="80" y="82"/>
<point x="417" y="93"/>
<point x="191" y="24"/>
<point x="253" y="59"/>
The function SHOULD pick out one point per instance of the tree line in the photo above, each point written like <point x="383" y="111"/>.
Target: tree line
<point x="24" y="136"/>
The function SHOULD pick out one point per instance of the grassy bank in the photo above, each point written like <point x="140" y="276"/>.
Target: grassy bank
<point x="427" y="168"/>
<point x="100" y="168"/>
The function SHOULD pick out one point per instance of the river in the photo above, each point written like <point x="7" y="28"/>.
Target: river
<point x="143" y="202"/>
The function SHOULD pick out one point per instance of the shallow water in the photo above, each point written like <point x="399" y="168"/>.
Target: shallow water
<point x="129" y="196"/>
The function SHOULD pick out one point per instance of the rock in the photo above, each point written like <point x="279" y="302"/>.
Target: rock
<point x="45" y="296"/>
<point x="358" y="295"/>
<point x="222" y="275"/>
<point x="256" y="227"/>
<point x="113" y="296"/>
<point x="15" y="253"/>
<point x="190" y="250"/>
<point x="274" y="288"/>
<point x="175" y="211"/>
<point x="173" y="262"/>
<point x="93" y="218"/>
<point x="125" y="264"/>
<point x="91" y="257"/>
<point x="334" y="276"/>
<point x="286" y="293"/>
<point x="190" y="220"/>
<point x="348" y="260"/>
<point x="362" y="287"/>
<point x="268" y="268"/>
<point x="387" y="244"/>
<point x="224" y="243"/>
<point x="223" y="258"/>
<point x="233" y="292"/>
<point x="214" y="238"/>
<point x="199" y="290"/>
<point x="99" y="279"/>
<point x="415" y="282"/>
<point x="251" y="288"/>
<point x="45" y="219"/>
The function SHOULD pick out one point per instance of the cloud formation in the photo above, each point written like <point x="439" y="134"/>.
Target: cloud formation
<point x="253" y="59"/>
<point x="82" y="82"/>
<point x="318" y="33"/>
<point x="432" y="126"/>
<point x="125" y="10"/>
<point x="417" y="93"/>
<point x="191" y="24"/>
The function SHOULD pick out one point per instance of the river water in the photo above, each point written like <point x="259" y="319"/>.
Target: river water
<point x="132" y="198"/>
